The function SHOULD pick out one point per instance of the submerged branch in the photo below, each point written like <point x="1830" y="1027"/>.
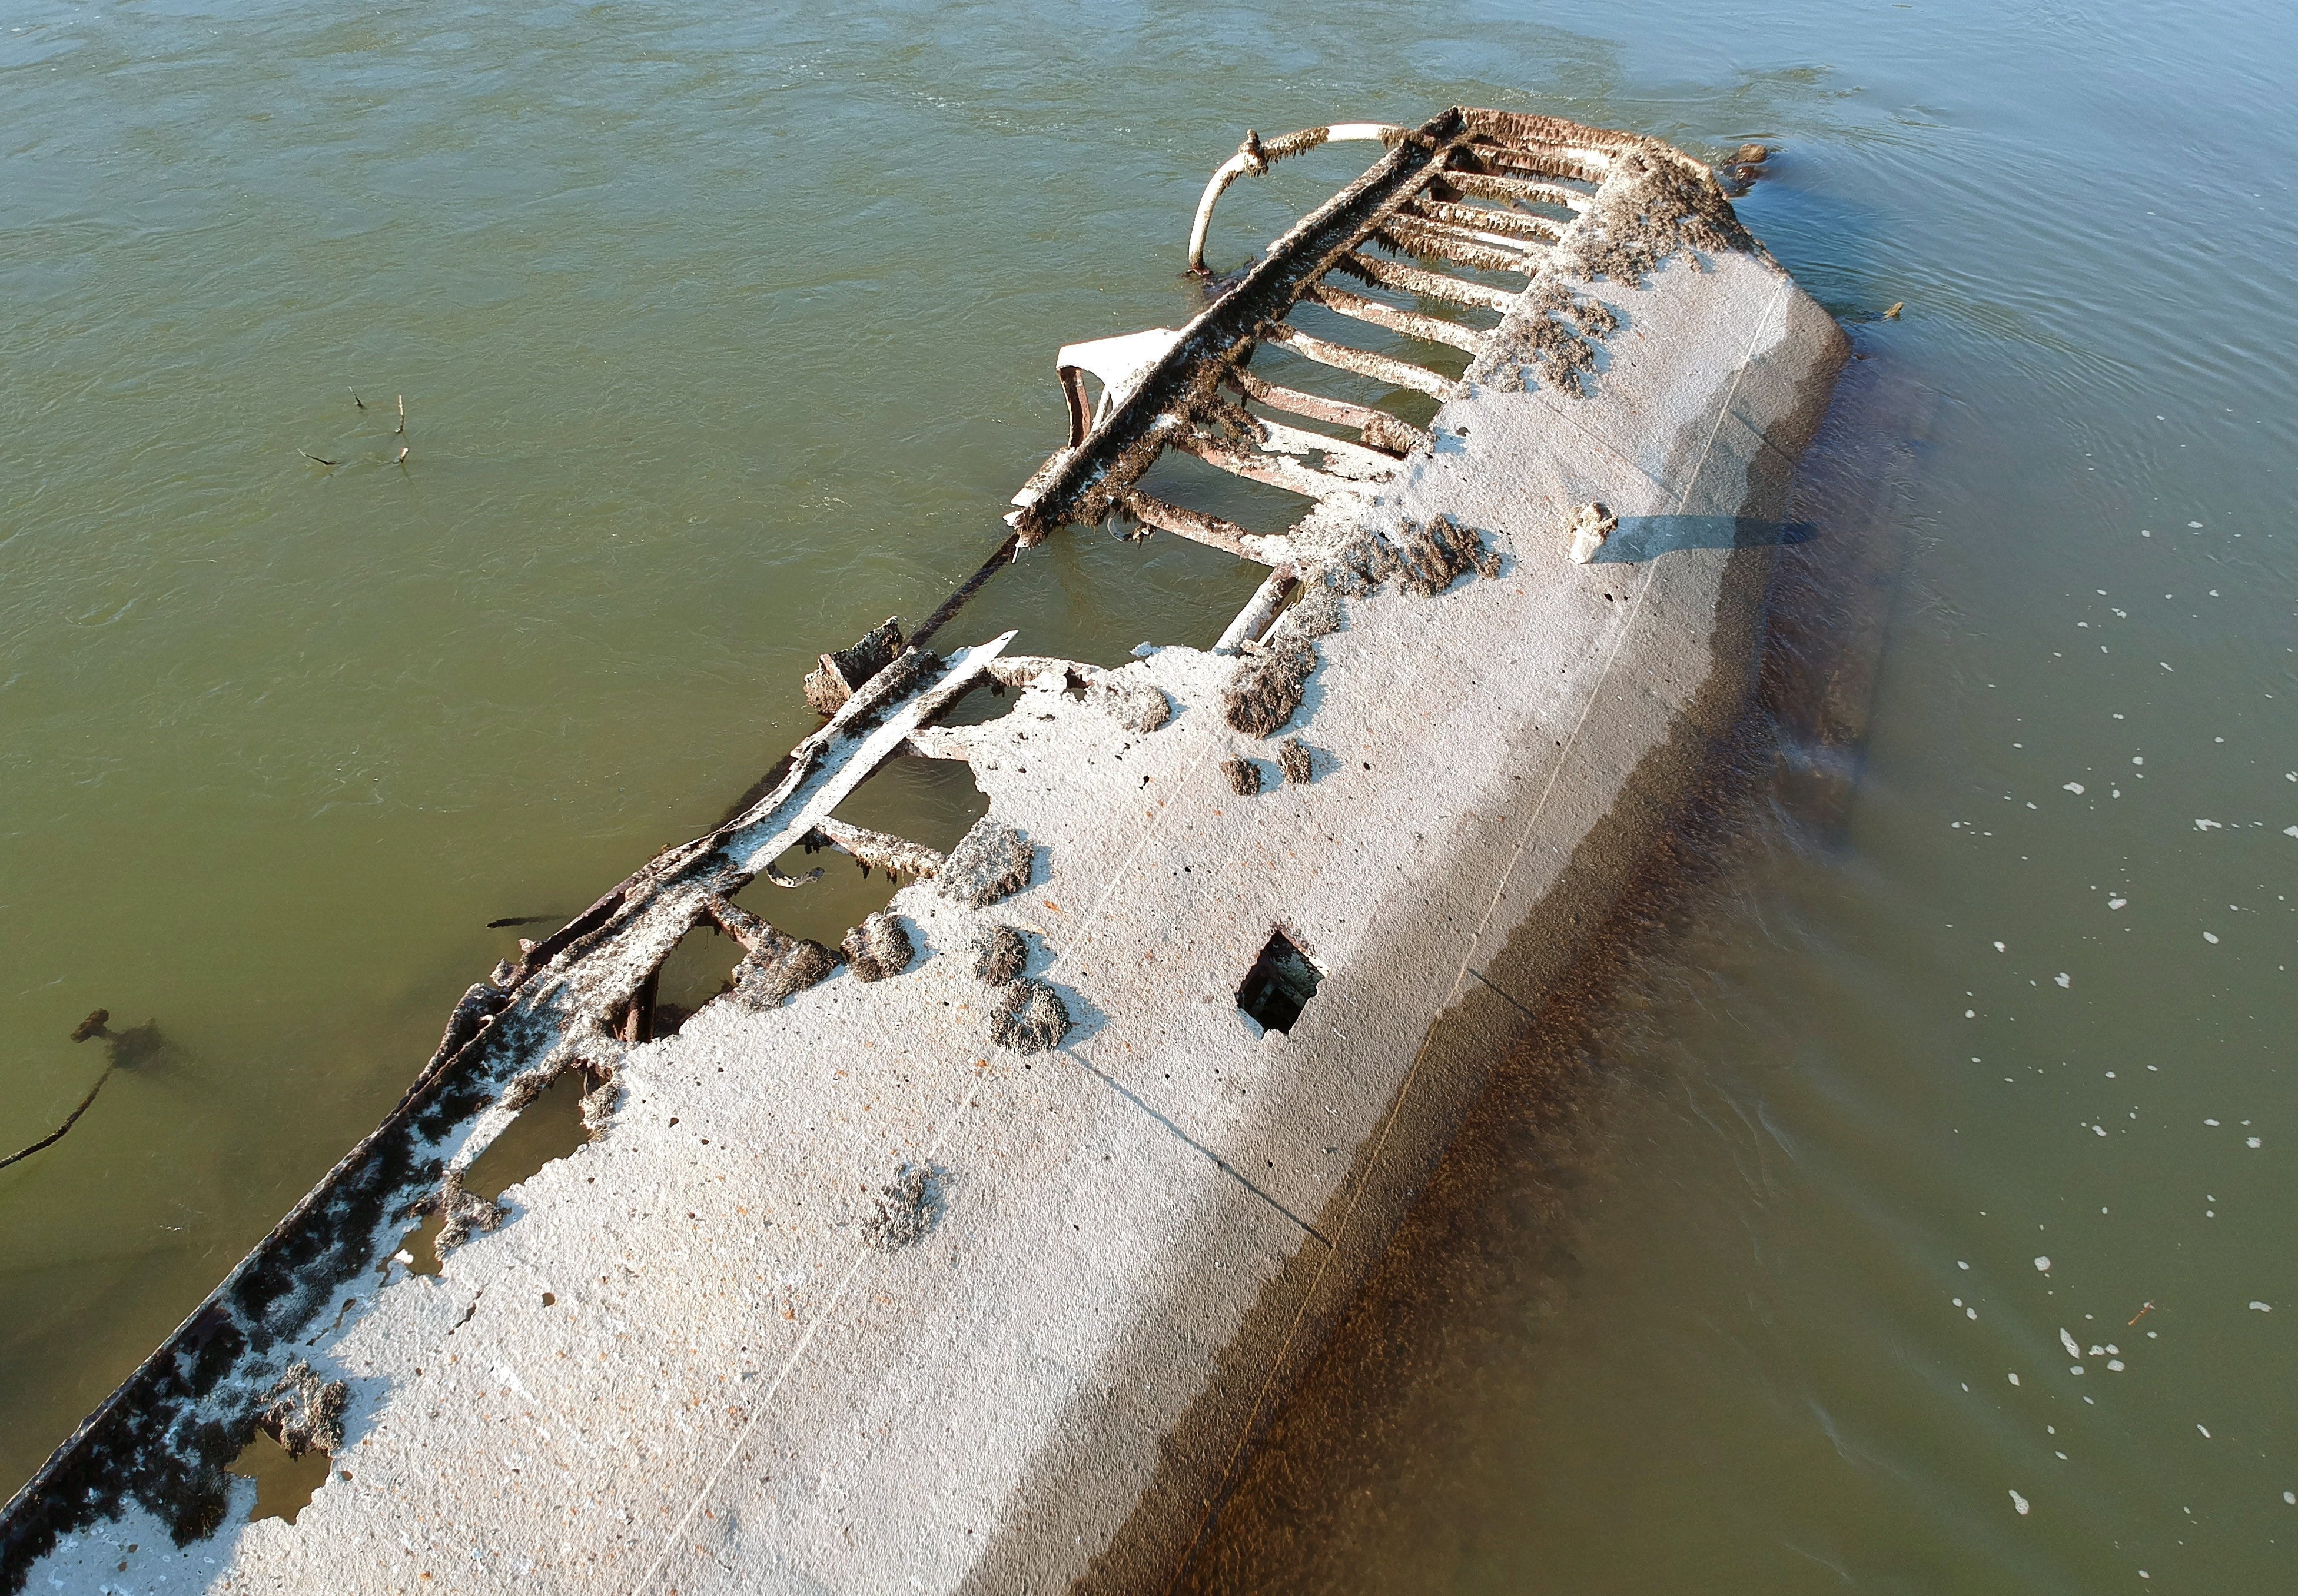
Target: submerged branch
<point x="57" y="1135"/>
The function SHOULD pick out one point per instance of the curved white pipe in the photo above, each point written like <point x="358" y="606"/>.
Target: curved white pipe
<point x="1253" y="156"/>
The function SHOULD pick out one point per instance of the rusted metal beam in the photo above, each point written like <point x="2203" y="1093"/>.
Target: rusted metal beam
<point x="1530" y="191"/>
<point x="1484" y="222"/>
<point x="895" y="855"/>
<point x="1255" y="618"/>
<point x="1364" y="363"/>
<point x="1343" y="458"/>
<point x="1341" y="412"/>
<point x="1008" y="552"/>
<point x="1195" y="524"/>
<point x="1434" y="240"/>
<point x="1081" y="484"/>
<point x="1277" y="471"/>
<point x="1431" y="285"/>
<point x="1412" y="324"/>
<point x="1379" y="429"/>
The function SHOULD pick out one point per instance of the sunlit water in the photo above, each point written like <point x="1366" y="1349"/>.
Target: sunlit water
<point x="725" y="332"/>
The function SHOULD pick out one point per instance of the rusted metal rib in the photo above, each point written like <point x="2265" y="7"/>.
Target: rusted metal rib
<point x="1485" y="222"/>
<point x="1182" y="522"/>
<point x="1341" y="412"/>
<point x="895" y="855"/>
<point x="1410" y="323"/>
<point x="1434" y="240"/>
<point x="1379" y="429"/>
<point x="1081" y="484"/>
<point x="1530" y="191"/>
<point x="1364" y="363"/>
<point x="1277" y="471"/>
<point x="1342" y="458"/>
<point x="1254" y="156"/>
<point x="1430" y="284"/>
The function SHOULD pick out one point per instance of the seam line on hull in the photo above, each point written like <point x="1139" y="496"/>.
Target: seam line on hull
<point x="789" y="1365"/>
<point x="1220" y="1163"/>
<point x="1404" y="1088"/>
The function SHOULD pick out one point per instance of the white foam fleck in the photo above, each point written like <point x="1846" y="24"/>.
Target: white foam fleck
<point x="2019" y="1502"/>
<point x="2074" y="787"/>
<point x="2067" y="1340"/>
<point x="2206" y="1434"/>
<point x="2116" y="903"/>
<point x="2262" y="1307"/>
<point x="2212" y="937"/>
<point x="2015" y="1377"/>
<point x="2115" y="1364"/>
<point x="2063" y="978"/>
<point x="2250" y="1141"/>
<point x="1998" y="947"/>
<point x="2208" y="825"/>
<point x="2043" y="1264"/>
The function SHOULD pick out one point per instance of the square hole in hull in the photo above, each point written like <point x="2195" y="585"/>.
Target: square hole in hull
<point x="1279" y="984"/>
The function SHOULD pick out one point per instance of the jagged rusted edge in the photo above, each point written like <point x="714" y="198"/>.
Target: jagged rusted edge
<point x="164" y="1435"/>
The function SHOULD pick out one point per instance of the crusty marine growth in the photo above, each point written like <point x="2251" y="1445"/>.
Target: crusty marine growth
<point x="1030" y="1018"/>
<point x="1294" y="760"/>
<point x="1266" y="690"/>
<point x="599" y="1101"/>
<point x="1674" y="208"/>
<point x="1243" y="776"/>
<point x="1551" y="338"/>
<point x="776" y="970"/>
<point x="907" y="1207"/>
<point x="999" y="954"/>
<point x="463" y="1212"/>
<point x="303" y="1411"/>
<point x="878" y="947"/>
<point x="990" y="862"/>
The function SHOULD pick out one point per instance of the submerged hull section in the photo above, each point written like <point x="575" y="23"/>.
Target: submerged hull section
<point x="900" y="1279"/>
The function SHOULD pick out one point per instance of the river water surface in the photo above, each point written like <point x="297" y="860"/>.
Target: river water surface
<point x="1819" y="1257"/>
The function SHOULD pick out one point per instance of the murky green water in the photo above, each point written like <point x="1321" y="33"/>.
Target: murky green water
<point x="726" y="331"/>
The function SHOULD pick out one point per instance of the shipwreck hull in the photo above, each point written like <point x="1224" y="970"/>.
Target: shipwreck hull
<point x="898" y="1279"/>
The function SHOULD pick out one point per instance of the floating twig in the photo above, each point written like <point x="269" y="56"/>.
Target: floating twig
<point x="402" y="456"/>
<point x="93" y="1026"/>
<point x="308" y="455"/>
<point x="57" y="1135"/>
<point x="1893" y="313"/>
<point x="402" y="418"/>
<point x="355" y="397"/>
<point x="2142" y="1313"/>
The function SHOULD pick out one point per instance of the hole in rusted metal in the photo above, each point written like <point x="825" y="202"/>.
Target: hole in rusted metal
<point x="929" y="801"/>
<point x="284" y="1486"/>
<point x="696" y="972"/>
<point x="1279" y="984"/>
<point x="547" y="1129"/>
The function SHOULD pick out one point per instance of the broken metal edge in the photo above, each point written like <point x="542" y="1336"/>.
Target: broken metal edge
<point x="164" y="1437"/>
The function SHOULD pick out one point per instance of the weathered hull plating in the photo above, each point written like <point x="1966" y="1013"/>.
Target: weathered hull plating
<point x="901" y="1279"/>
